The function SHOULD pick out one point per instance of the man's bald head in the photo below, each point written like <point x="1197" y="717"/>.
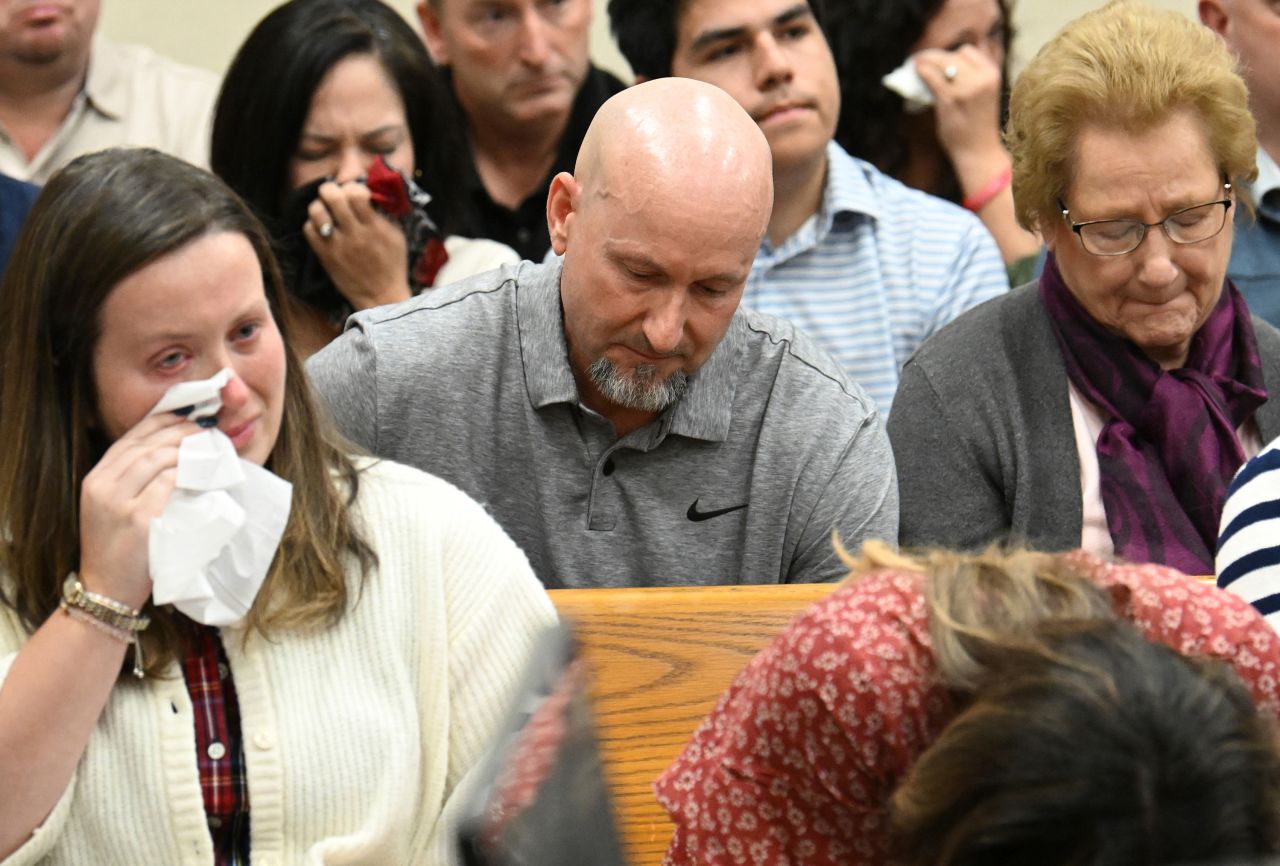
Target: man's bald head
<point x="658" y="226"/>
<point x="676" y="137"/>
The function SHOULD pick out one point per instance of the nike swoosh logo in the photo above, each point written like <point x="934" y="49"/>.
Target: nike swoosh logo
<point x="698" y="516"/>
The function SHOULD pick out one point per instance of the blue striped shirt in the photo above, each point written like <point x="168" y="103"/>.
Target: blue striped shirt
<point x="875" y="271"/>
<point x="1248" y="561"/>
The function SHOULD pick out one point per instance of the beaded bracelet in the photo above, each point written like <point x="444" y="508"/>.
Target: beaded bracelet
<point x="100" y="607"/>
<point x="109" y="616"/>
<point x="989" y="191"/>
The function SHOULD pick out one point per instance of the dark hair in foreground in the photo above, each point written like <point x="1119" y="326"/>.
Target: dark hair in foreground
<point x="1112" y="751"/>
<point x="869" y="39"/>
<point x="267" y="93"/>
<point x="97" y="221"/>
<point x="1078" y="741"/>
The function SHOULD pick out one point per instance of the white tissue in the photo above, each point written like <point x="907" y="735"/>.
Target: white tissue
<point x="204" y="395"/>
<point x="208" y="461"/>
<point x="211" y="547"/>
<point x="907" y="83"/>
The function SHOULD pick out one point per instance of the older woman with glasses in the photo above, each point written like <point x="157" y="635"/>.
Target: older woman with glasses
<point x="1109" y="405"/>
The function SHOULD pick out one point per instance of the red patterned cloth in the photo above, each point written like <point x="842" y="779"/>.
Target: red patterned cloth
<point x="388" y="189"/>
<point x="533" y="753"/>
<point x="796" y="764"/>
<point x="433" y="257"/>
<point x="399" y="197"/>
<point x="219" y="746"/>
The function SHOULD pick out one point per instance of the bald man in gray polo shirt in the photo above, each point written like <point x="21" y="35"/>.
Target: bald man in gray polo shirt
<point x="615" y="410"/>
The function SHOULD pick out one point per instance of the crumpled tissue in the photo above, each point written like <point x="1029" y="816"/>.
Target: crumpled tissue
<point x="907" y="83"/>
<point x="211" y="547"/>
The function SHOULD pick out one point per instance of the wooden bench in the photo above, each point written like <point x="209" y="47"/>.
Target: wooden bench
<point x="660" y="658"/>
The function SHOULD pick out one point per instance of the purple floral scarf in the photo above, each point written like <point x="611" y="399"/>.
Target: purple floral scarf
<point x="1169" y="447"/>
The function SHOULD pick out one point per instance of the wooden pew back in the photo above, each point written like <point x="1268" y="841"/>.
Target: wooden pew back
<point x="660" y="658"/>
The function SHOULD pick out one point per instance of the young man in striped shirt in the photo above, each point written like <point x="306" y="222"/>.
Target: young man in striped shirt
<point x="865" y="264"/>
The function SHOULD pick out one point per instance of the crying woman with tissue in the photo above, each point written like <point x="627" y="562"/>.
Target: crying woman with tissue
<point x="924" y="86"/>
<point x="221" y="635"/>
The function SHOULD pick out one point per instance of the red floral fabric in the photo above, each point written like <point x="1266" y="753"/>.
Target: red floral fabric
<point x="796" y="764"/>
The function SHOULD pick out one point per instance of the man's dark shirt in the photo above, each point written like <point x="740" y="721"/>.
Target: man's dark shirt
<point x="16" y="198"/>
<point x="525" y="229"/>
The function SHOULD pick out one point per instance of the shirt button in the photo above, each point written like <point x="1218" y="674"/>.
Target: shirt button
<point x="223" y="671"/>
<point x="215" y="823"/>
<point x="602" y="523"/>
<point x="263" y="740"/>
<point x="217" y="751"/>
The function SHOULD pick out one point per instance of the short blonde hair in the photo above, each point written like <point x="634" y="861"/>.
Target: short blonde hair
<point x="1126" y="66"/>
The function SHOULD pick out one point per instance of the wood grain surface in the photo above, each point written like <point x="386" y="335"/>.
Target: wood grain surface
<point x="660" y="658"/>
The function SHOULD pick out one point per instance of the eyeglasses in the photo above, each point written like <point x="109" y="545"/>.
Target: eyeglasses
<point x="1117" y="237"/>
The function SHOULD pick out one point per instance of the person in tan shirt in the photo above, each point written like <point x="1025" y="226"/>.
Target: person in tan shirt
<point x="65" y="92"/>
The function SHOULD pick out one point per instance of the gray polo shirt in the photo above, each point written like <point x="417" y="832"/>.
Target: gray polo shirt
<point x="742" y="481"/>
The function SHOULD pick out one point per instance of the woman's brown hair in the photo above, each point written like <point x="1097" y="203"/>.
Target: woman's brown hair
<point x="100" y="219"/>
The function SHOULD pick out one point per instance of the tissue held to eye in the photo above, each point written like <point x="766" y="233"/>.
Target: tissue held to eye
<point x="211" y="549"/>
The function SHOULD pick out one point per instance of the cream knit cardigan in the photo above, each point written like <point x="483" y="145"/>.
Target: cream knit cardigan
<point x="356" y="737"/>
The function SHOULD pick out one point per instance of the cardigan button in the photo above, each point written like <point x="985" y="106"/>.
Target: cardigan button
<point x="263" y="740"/>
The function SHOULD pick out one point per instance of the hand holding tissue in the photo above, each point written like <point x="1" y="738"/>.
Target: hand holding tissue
<point x="211" y="547"/>
<point x="907" y="83"/>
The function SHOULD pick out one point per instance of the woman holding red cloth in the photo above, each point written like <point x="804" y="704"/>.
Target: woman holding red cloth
<point x="326" y="126"/>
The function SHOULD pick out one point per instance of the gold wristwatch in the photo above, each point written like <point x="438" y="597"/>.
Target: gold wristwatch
<point x="105" y="610"/>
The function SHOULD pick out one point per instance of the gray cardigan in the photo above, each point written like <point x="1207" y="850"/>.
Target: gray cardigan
<point x="982" y="433"/>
